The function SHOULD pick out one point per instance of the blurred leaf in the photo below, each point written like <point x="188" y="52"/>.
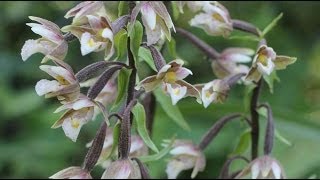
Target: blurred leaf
<point x="146" y="56"/>
<point x="123" y="79"/>
<point x="172" y="48"/>
<point x="243" y="145"/>
<point x="122" y="8"/>
<point x="247" y="98"/>
<point x="140" y="117"/>
<point x="175" y="10"/>
<point x="245" y="38"/>
<point x="136" y="39"/>
<point x="262" y="111"/>
<point x="270" y="80"/>
<point x="156" y="157"/>
<point x="172" y="111"/>
<point x="120" y="41"/>
<point x="282" y="139"/>
<point x="271" y="25"/>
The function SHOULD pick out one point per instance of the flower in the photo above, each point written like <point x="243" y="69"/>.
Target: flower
<point x="155" y="19"/>
<point x="228" y="62"/>
<point x="171" y="77"/>
<point x="122" y="169"/>
<point x="185" y="156"/>
<point x="214" y="91"/>
<point x="51" y="43"/>
<point x="72" y="173"/>
<point x="263" y="167"/>
<point x="66" y="87"/>
<point x="215" y="20"/>
<point x="194" y="6"/>
<point x="265" y="62"/>
<point x="92" y="27"/>
<point x="78" y="113"/>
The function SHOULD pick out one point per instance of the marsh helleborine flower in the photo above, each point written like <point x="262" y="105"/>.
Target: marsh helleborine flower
<point x="122" y="169"/>
<point x="263" y="167"/>
<point x="72" y="173"/>
<point x="171" y="77"/>
<point x="155" y="19"/>
<point x="214" y="20"/>
<point x="51" y="43"/>
<point x="66" y="87"/>
<point x="186" y="156"/>
<point x="265" y="62"/>
<point x="194" y="6"/>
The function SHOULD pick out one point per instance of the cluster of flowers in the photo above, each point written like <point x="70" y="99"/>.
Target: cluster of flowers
<point x="95" y="33"/>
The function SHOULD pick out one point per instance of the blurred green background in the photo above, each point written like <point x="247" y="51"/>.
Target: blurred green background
<point x="30" y="149"/>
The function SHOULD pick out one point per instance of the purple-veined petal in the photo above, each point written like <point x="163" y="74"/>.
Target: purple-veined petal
<point x="182" y="73"/>
<point x="59" y="73"/>
<point x="153" y="36"/>
<point x="50" y="25"/>
<point x="74" y="172"/>
<point x="72" y="12"/>
<point x="120" y="169"/>
<point x="94" y="22"/>
<point x="82" y="103"/>
<point x="31" y="47"/>
<point x="45" y="32"/>
<point x="149" y="16"/>
<point x="149" y="83"/>
<point x="161" y="10"/>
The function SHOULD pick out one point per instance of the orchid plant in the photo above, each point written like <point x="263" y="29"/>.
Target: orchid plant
<point x="112" y="87"/>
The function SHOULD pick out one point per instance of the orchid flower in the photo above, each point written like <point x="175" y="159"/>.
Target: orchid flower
<point x="186" y="156"/>
<point x="51" y="43"/>
<point x="72" y="173"/>
<point x="214" y="20"/>
<point x="265" y="62"/>
<point x="194" y="6"/>
<point x="155" y="19"/>
<point x="122" y="169"/>
<point x="171" y="77"/>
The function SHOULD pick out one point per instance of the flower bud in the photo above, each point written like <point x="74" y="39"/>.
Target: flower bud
<point x="72" y="173"/>
<point x="122" y="169"/>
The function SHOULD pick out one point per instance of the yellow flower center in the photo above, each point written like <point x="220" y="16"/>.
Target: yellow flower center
<point x="176" y="91"/>
<point x="208" y="94"/>
<point x="217" y="17"/>
<point x="62" y="80"/>
<point x="91" y="42"/>
<point x="171" y="77"/>
<point x="263" y="59"/>
<point x="75" y="123"/>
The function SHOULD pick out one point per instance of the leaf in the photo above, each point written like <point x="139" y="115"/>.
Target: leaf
<point x="262" y="111"/>
<point x="175" y="10"/>
<point x="172" y="48"/>
<point x="120" y="41"/>
<point x="272" y="24"/>
<point x="282" y="139"/>
<point x="146" y="56"/>
<point x="245" y="38"/>
<point x="247" y="97"/>
<point x="244" y="143"/>
<point x="122" y="9"/>
<point x="123" y="79"/>
<point x="136" y="39"/>
<point x="156" y="157"/>
<point x="140" y="118"/>
<point x="282" y="62"/>
<point x="270" y="80"/>
<point x="172" y="111"/>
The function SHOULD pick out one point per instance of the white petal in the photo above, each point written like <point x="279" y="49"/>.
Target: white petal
<point x="136" y="144"/>
<point x="276" y="170"/>
<point x="88" y="45"/>
<point x="45" y="86"/>
<point x="119" y="169"/>
<point x="71" y="128"/>
<point x="183" y="73"/>
<point x="58" y="72"/>
<point x="174" y="167"/>
<point x="267" y="70"/>
<point x="255" y="169"/>
<point x="82" y="103"/>
<point x="176" y="93"/>
<point x="44" y="32"/>
<point x="163" y="70"/>
<point x="31" y="47"/>
<point x="184" y="150"/>
<point x="149" y="15"/>
<point x="107" y="33"/>
<point x="240" y="58"/>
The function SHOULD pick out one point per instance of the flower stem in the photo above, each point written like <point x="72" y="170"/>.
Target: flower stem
<point x="268" y="142"/>
<point x="215" y="129"/>
<point x="245" y="26"/>
<point x="224" y="173"/>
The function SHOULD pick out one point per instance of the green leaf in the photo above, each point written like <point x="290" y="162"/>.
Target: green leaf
<point x="175" y="10"/>
<point x="247" y="97"/>
<point x="245" y="38"/>
<point x="156" y="157"/>
<point x="172" y="111"/>
<point x="271" y="25"/>
<point x="172" y="48"/>
<point x="145" y="55"/>
<point x="136" y="39"/>
<point x="270" y="80"/>
<point x="282" y="139"/>
<point x="122" y="8"/>
<point x="120" y="41"/>
<point x="140" y="118"/>
<point x="123" y="79"/>
<point x="262" y="111"/>
<point x="244" y="143"/>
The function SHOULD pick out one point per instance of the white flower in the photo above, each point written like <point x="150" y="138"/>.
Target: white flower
<point x="214" y="91"/>
<point x="72" y="173"/>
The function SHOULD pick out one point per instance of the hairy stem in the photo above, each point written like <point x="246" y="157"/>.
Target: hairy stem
<point x="245" y="26"/>
<point x="255" y="120"/>
<point x="215" y="129"/>
<point x="149" y="103"/>
<point x="268" y="142"/>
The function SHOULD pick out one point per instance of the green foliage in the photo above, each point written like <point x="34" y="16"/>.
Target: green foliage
<point x="145" y="55"/>
<point x="120" y="41"/>
<point x="158" y="156"/>
<point x="243" y="144"/>
<point x="270" y="26"/>
<point x="136" y="39"/>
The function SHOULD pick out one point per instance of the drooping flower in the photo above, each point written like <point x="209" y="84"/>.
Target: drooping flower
<point x="92" y="27"/>
<point x="228" y="62"/>
<point x="51" y="43"/>
<point x="264" y="167"/>
<point x="72" y="173"/>
<point x="66" y="87"/>
<point x="265" y="62"/>
<point x="78" y="113"/>
<point x="171" y="77"/>
<point x="213" y="92"/>
<point x="122" y="169"/>
<point x="155" y="19"/>
<point x="186" y="156"/>
<point x="194" y="6"/>
<point x="214" y="20"/>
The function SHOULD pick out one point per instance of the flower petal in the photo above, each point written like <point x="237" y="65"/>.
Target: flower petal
<point x="182" y="73"/>
<point x="45" y="86"/>
<point x="255" y="170"/>
<point x="276" y="169"/>
<point x="59" y="73"/>
<point x="45" y="32"/>
<point x="74" y="172"/>
<point x="149" y="15"/>
<point x="176" y="93"/>
<point x="31" y="47"/>
<point x="281" y="62"/>
<point x="253" y="75"/>
<point x="120" y="169"/>
<point x="267" y="70"/>
<point x="88" y="44"/>
<point x="149" y="83"/>
<point x="72" y="127"/>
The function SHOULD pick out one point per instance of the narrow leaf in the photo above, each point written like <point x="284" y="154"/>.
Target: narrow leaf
<point x="122" y="9"/>
<point x="116" y="134"/>
<point x="136" y="39"/>
<point x="282" y="139"/>
<point x="272" y="24"/>
<point x="123" y="79"/>
<point x="270" y="80"/>
<point x="175" y="10"/>
<point x="243" y="144"/>
<point x="140" y="118"/>
<point x="172" y="111"/>
<point x="120" y="41"/>
<point x="161" y="154"/>
<point x="146" y="56"/>
<point x="172" y="48"/>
